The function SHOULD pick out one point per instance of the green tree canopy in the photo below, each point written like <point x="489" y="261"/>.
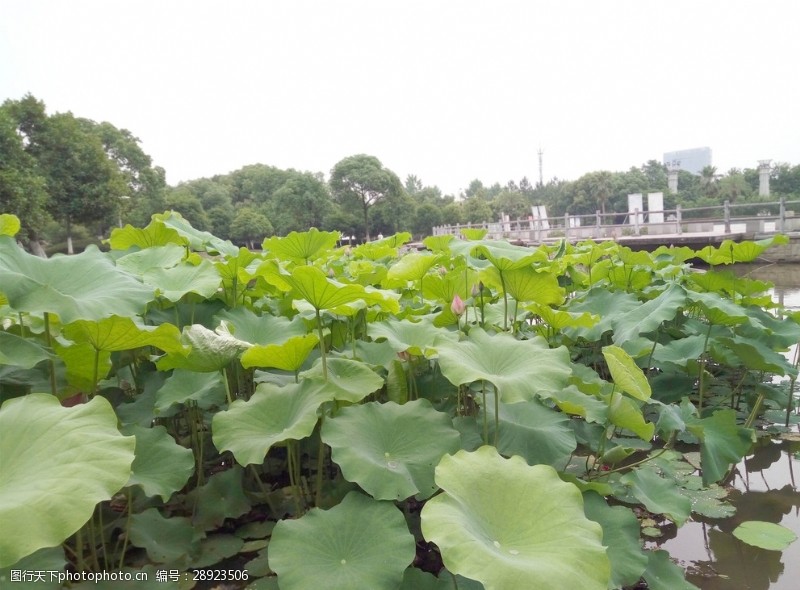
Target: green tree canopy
<point x="362" y="181"/>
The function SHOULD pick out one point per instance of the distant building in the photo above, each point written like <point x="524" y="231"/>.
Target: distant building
<point x="693" y="160"/>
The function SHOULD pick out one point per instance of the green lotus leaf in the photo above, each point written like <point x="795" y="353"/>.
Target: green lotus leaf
<point x="302" y="247"/>
<point x="85" y="286"/>
<point x="648" y="316"/>
<point x="757" y="356"/>
<point x="718" y="310"/>
<point x="609" y="306"/>
<point x="513" y="526"/>
<point x="155" y="234"/>
<point x="21" y="352"/>
<point x="627" y="376"/>
<point x="730" y="252"/>
<point x="527" y="284"/>
<point x="272" y="415"/>
<point x="360" y="543"/>
<point x="138" y="263"/>
<point x="415" y="338"/>
<point x="473" y="233"/>
<point x="166" y="540"/>
<point x="215" y="548"/>
<point x="198" y="240"/>
<point x="47" y="559"/>
<point x="723" y="443"/>
<point x="264" y="329"/>
<point x="321" y="292"/>
<point x="438" y="243"/>
<point x="206" y="389"/>
<point x="502" y="255"/>
<point x="559" y="319"/>
<point x="175" y="282"/>
<point x="536" y="433"/>
<point x="412" y="267"/>
<point x="348" y="380"/>
<point x="625" y="413"/>
<point x="682" y="352"/>
<point x="161" y="466"/>
<point x="57" y="464"/>
<point x="288" y="356"/>
<point x="117" y="333"/>
<point x="9" y="224"/>
<point x="659" y="495"/>
<point x="621" y="536"/>
<point x="210" y="351"/>
<point x="391" y="450"/>
<point x="663" y="574"/>
<point x="221" y="497"/>
<point x="572" y="400"/>
<point x="519" y="369"/>
<point x="766" y="535"/>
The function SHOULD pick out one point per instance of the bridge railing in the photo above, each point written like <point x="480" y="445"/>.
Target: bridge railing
<point x="726" y="218"/>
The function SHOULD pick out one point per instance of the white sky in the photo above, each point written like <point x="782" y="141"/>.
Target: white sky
<point x="446" y="90"/>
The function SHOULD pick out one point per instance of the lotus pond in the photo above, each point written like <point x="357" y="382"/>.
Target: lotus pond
<point x="471" y="415"/>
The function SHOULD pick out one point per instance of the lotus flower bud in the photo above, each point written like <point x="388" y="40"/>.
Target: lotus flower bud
<point x="476" y="290"/>
<point x="458" y="307"/>
<point x="442" y="271"/>
<point x="331" y="273"/>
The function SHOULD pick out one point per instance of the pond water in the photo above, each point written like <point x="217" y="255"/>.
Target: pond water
<point x="765" y="488"/>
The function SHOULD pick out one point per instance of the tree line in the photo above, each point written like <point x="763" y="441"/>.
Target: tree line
<point x="67" y="177"/>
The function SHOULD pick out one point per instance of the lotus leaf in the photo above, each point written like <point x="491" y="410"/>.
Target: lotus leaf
<point x="57" y="464"/>
<point x="649" y="315"/>
<point x="161" y="466"/>
<point x="272" y="415"/>
<point x="9" y="224"/>
<point x="512" y="526"/>
<point x="302" y="247"/>
<point x="155" y="234"/>
<point x="766" y="535"/>
<point x="722" y="442"/>
<point x="206" y="389"/>
<point x="621" y="536"/>
<point x="221" y="497"/>
<point x="663" y="574"/>
<point x="210" y="351"/>
<point x="287" y="356"/>
<point x="84" y="286"/>
<point x="391" y="450"/>
<point x="658" y="494"/>
<point x="175" y="282"/>
<point x="360" y="543"/>
<point x="165" y="539"/>
<point x="415" y="338"/>
<point x="142" y="261"/>
<point x="536" y="433"/>
<point x="627" y="376"/>
<point x="348" y="380"/>
<point x="519" y="369"/>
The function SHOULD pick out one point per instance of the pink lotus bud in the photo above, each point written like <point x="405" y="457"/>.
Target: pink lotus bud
<point x="442" y="271"/>
<point x="458" y="307"/>
<point x="331" y="273"/>
<point x="475" y="290"/>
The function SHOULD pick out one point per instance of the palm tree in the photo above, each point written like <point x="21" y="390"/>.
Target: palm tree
<point x="709" y="181"/>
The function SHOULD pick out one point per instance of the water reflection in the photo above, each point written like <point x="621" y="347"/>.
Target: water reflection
<point x="764" y="488"/>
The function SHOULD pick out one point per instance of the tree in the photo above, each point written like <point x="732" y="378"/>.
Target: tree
<point x="300" y="203"/>
<point x="22" y="187"/>
<point x="250" y="226"/>
<point x="709" y="183"/>
<point x="362" y="181"/>
<point x="426" y="217"/>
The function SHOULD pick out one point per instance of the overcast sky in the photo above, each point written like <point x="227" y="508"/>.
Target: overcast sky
<point x="449" y="91"/>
